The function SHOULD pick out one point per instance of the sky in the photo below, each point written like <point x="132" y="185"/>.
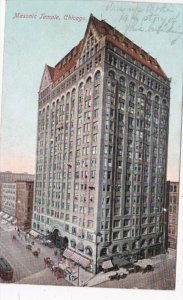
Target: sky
<point x="31" y="43"/>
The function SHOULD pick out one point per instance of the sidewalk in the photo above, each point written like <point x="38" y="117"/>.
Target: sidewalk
<point x="44" y="277"/>
<point x="155" y="261"/>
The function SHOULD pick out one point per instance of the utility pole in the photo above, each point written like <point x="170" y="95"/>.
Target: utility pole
<point x="78" y="274"/>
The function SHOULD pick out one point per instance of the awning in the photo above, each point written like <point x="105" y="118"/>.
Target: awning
<point x="77" y="258"/>
<point x="84" y="262"/>
<point x="1" y="213"/>
<point x="4" y="222"/>
<point x="34" y="233"/>
<point x="10" y="218"/>
<point x="14" y="222"/>
<point x="107" y="264"/>
<point x="5" y="216"/>
<point x="68" y="253"/>
<point x="120" y="261"/>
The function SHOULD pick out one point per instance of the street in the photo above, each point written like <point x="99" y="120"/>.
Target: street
<point x="29" y="269"/>
<point x="24" y="263"/>
<point x="162" y="278"/>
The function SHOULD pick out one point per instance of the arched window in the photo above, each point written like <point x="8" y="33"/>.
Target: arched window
<point x="67" y="97"/>
<point x="73" y="244"/>
<point x="151" y="241"/>
<point x="122" y="81"/>
<point x="135" y="245"/>
<point x="89" y="80"/>
<point x="159" y="239"/>
<point x="132" y="86"/>
<point x="103" y="252"/>
<point x="34" y="225"/>
<point x="73" y="94"/>
<point x="149" y="95"/>
<point x="143" y="243"/>
<point x="157" y="99"/>
<point x="88" y="251"/>
<point x="141" y="90"/>
<point x="81" y="87"/>
<point x="97" y="76"/>
<point x="115" y="249"/>
<point x="112" y="74"/>
<point x="125" y="247"/>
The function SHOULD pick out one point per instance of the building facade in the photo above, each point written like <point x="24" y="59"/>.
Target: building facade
<point x="7" y="177"/>
<point x="172" y="208"/>
<point x="102" y="148"/>
<point x="9" y="198"/>
<point x="24" y="204"/>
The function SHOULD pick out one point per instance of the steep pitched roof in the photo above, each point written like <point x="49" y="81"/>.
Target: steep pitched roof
<point x="67" y="63"/>
<point x="121" y="41"/>
<point x="51" y="71"/>
<point x="117" y="39"/>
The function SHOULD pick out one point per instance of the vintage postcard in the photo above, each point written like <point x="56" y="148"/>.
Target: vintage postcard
<point x="90" y="185"/>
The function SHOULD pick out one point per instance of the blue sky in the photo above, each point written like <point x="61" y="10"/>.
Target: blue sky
<point x="32" y="43"/>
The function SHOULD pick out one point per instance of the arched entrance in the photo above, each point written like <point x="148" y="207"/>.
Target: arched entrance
<point x="142" y="254"/>
<point x="56" y="238"/>
<point x="65" y="242"/>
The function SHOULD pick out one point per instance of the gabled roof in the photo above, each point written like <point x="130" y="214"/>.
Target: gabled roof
<point x="113" y="36"/>
<point x="51" y="71"/>
<point x="47" y="77"/>
<point x="121" y="41"/>
<point x="67" y="63"/>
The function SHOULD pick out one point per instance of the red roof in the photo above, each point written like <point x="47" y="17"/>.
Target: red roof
<point x="68" y="63"/>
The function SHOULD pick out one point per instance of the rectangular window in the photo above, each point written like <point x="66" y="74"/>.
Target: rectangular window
<point x="116" y="235"/>
<point x="116" y="223"/>
<point x="90" y="223"/>
<point x="94" y="150"/>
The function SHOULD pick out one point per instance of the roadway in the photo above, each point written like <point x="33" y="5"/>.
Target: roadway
<point x="162" y="278"/>
<point x="24" y="263"/>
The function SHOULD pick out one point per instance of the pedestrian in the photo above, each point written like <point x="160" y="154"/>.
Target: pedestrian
<point x="55" y="252"/>
<point x="38" y="250"/>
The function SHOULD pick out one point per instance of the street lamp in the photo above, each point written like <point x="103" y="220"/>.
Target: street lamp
<point x="164" y="229"/>
<point x="78" y="274"/>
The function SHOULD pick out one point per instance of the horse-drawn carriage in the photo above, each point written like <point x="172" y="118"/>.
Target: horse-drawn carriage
<point x="35" y="253"/>
<point x="14" y="238"/>
<point x="29" y="247"/>
<point x="48" y="262"/>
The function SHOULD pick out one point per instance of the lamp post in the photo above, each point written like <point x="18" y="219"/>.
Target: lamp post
<point x="164" y="230"/>
<point x="78" y="274"/>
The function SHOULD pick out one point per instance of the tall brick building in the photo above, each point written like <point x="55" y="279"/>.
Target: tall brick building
<point x="24" y="204"/>
<point x="102" y="149"/>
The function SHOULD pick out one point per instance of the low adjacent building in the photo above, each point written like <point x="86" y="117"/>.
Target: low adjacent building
<point x="10" y="177"/>
<point x="17" y="202"/>
<point x="8" y="192"/>
<point x="173" y="205"/>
